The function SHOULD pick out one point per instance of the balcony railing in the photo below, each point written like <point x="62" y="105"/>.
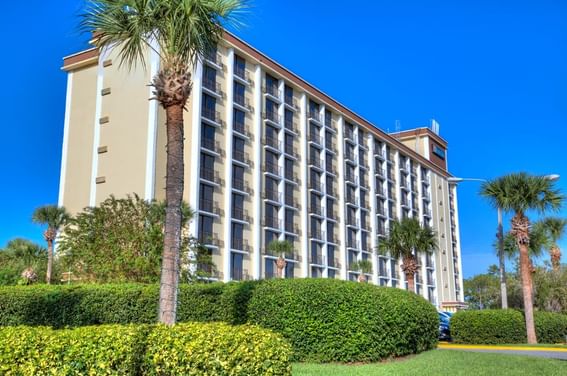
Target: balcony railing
<point x="291" y="102"/>
<point x="240" y="214"/>
<point x="211" y="145"/>
<point x="272" y="116"/>
<point x="316" y="209"/>
<point x="317" y="234"/>
<point x="240" y="72"/>
<point x="272" y="195"/>
<point x="272" y="222"/>
<point x="212" y="86"/>
<point x="317" y="186"/>
<point x="240" y="156"/>
<point x="291" y="150"/>
<point x="240" y="185"/>
<point x="315" y="115"/>
<point x="240" y="244"/>
<point x="214" y="58"/>
<point x="209" y="238"/>
<point x="240" y="275"/>
<point x="211" y="115"/>
<point x="287" y="255"/>
<point x="241" y="128"/>
<point x="316" y="162"/>
<point x="272" y="90"/>
<point x="316" y="259"/>
<point x="209" y="206"/>
<point x="272" y="142"/>
<point x="210" y="175"/>
<point x="315" y="138"/>
<point x="242" y="101"/>
<point x="273" y="168"/>
<point x="290" y="125"/>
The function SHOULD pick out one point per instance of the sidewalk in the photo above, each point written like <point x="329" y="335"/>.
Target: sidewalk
<point x="544" y="352"/>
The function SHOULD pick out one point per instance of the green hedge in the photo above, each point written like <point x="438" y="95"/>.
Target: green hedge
<point x="325" y="320"/>
<point x="187" y="349"/>
<point x="330" y="320"/>
<point x="496" y="326"/>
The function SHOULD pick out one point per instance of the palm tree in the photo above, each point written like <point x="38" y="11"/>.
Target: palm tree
<point x="180" y="32"/>
<point x="519" y="193"/>
<point x="406" y="239"/>
<point x="54" y="217"/>
<point x="281" y="248"/>
<point x="364" y="267"/>
<point x="555" y="229"/>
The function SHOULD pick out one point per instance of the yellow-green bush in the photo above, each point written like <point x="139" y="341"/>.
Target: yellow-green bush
<point x="216" y="349"/>
<point x="188" y="349"/>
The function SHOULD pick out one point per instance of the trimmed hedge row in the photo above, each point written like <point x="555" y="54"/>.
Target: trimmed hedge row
<point x="324" y="320"/>
<point x="331" y="320"/>
<point x="496" y="326"/>
<point x="186" y="349"/>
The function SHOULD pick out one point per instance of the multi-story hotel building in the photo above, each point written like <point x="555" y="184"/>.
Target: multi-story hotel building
<point x="268" y="156"/>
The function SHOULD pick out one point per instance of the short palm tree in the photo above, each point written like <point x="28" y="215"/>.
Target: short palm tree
<point x="281" y="248"/>
<point x="406" y="239"/>
<point x="180" y="32"/>
<point x="555" y="229"/>
<point x="54" y="217"/>
<point x="364" y="267"/>
<point x="518" y="193"/>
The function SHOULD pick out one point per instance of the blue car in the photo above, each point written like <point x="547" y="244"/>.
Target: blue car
<point x="444" y="330"/>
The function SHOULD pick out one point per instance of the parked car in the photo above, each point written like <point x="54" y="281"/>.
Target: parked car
<point x="444" y="326"/>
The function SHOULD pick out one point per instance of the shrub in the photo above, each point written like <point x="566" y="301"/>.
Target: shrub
<point x="331" y="320"/>
<point x="101" y="350"/>
<point x="189" y="349"/>
<point x="550" y="327"/>
<point x="61" y="306"/>
<point x="496" y="326"/>
<point x="216" y="349"/>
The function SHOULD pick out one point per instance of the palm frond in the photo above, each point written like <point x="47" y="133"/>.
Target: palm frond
<point x="51" y="215"/>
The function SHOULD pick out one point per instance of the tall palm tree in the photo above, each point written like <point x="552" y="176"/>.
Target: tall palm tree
<point x="519" y="193"/>
<point x="281" y="248"/>
<point x="54" y="217"/>
<point x="182" y="31"/>
<point x="555" y="229"/>
<point x="406" y="239"/>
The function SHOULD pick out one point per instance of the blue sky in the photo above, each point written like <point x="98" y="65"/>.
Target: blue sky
<point x="492" y="73"/>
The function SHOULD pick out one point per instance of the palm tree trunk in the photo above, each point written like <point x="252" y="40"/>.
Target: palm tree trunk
<point x="555" y="258"/>
<point x="409" y="267"/>
<point x="173" y="220"/>
<point x="520" y="229"/>
<point x="49" y="261"/>
<point x="411" y="281"/>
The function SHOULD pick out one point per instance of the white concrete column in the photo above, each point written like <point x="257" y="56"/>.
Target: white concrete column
<point x="195" y="145"/>
<point x="149" y="190"/>
<point x="304" y="151"/>
<point x="458" y="236"/>
<point x="63" y="173"/>
<point x="228" y="166"/>
<point x="257" y="146"/>
<point x="342" y="206"/>
<point x="373" y="209"/>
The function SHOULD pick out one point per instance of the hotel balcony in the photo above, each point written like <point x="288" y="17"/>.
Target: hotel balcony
<point x="272" y="222"/>
<point x="273" y="118"/>
<point x="212" y="117"/>
<point x="273" y="196"/>
<point x="241" y="129"/>
<point x="239" y="244"/>
<point x="213" y="88"/>
<point x="314" y="116"/>
<point x="242" y="157"/>
<point x="211" y="176"/>
<point x="211" y="207"/>
<point x="214" y="59"/>
<point x="241" y="215"/>
<point x="242" y="75"/>
<point x="241" y="185"/>
<point x="243" y="103"/>
<point x="272" y="92"/>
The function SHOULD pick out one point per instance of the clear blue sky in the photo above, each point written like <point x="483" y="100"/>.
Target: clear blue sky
<point x="493" y="74"/>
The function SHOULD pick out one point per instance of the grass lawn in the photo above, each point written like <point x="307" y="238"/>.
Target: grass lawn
<point x="443" y="362"/>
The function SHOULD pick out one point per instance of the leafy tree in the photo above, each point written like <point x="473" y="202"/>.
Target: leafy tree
<point x="120" y="241"/>
<point x="519" y="193"/>
<point x="483" y="291"/>
<point x="281" y="248"/>
<point x="54" y="217"/>
<point x="21" y="255"/>
<point x="406" y="239"/>
<point x="180" y="32"/>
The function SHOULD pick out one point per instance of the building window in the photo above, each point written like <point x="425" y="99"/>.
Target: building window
<point x="207" y="167"/>
<point x="236" y="263"/>
<point x="288" y="95"/>
<point x="206" y="197"/>
<point x="289" y="220"/>
<point x="209" y="107"/>
<point x="238" y="149"/>
<point x="238" y="121"/>
<point x="205" y="229"/>
<point x="238" y="206"/>
<point x="270" y="265"/>
<point x="239" y="91"/>
<point x="239" y="66"/>
<point x="208" y="137"/>
<point x="209" y="78"/>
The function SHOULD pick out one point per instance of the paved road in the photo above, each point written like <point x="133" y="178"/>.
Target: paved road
<point x="554" y="353"/>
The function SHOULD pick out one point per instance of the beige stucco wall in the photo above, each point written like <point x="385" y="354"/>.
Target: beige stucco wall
<point x="80" y="139"/>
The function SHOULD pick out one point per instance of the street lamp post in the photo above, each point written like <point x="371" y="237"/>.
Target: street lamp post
<point x="500" y="236"/>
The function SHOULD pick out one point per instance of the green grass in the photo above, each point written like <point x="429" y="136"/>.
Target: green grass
<point x="443" y="362"/>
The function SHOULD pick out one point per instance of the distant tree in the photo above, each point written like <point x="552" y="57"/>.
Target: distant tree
<point x="519" y="193"/>
<point x="19" y="256"/>
<point x="120" y="241"/>
<point x="483" y="291"/>
<point x="406" y="240"/>
<point x="364" y="267"/>
<point x="555" y="229"/>
<point x="281" y="248"/>
<point x="54" y="217"/>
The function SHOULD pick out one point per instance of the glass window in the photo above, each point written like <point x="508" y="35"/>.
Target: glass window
<point x="239" y="90"/>
<point x="236" y="271"/>
<point x="271" y="268"/>
<point x="239" y="66"/>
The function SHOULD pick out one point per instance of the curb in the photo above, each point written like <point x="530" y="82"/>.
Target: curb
<point x="486" y="347"/>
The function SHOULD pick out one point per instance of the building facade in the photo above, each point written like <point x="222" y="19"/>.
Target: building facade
<point x="268" y="156"/>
